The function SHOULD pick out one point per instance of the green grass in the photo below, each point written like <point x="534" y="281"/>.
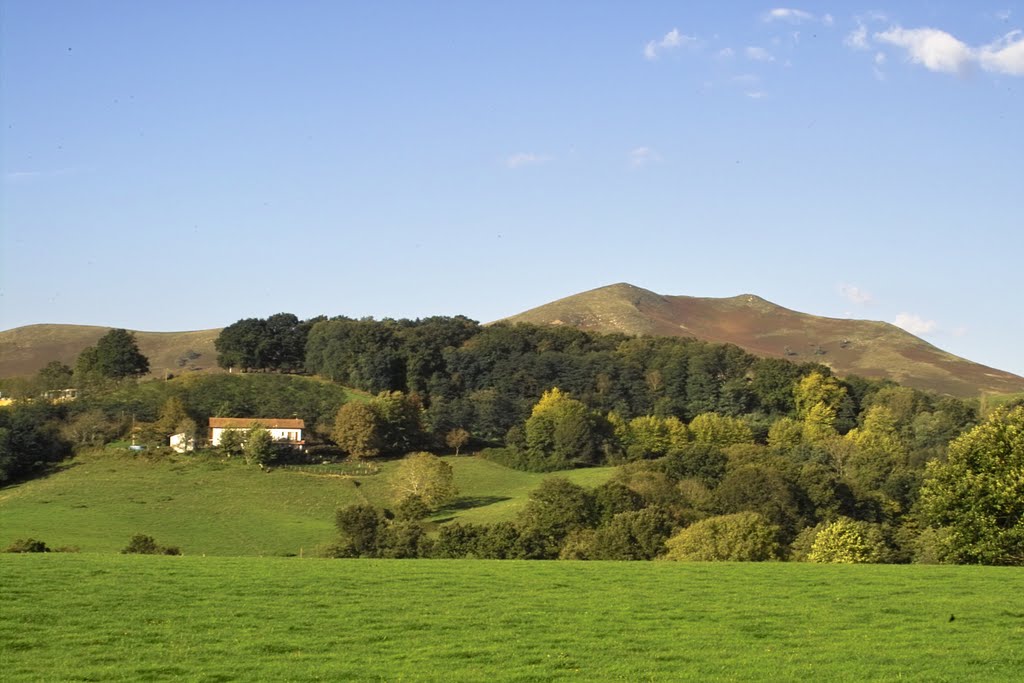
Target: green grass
<point x="207" y="505"/>
<point x="112" y="617"/>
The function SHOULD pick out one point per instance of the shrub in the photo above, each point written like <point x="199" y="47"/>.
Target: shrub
<point x="739" y="537"/>
<point x="141" y="544"/>
<point x="849" y="541"/>
<point x="27" y="545"/>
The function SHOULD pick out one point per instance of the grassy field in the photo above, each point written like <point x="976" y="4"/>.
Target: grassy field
<point x="114" y="617"/>
<point x="211" y="506"/>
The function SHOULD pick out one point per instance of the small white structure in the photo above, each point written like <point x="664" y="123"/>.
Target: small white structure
<point x="286" y="431"/>
<point x="181" y="443"/>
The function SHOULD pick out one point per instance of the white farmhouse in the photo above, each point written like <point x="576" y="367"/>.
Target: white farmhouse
<point x="282" y="430"/>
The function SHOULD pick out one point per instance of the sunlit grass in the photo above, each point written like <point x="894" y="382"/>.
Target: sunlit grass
<point x="208" y="505"/>
<point x="113" y="617"/>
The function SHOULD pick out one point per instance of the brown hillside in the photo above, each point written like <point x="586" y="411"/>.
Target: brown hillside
<point x="24" y="350"/>
<point x="861" y="347"/>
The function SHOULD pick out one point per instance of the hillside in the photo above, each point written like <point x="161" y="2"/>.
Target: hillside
<point x="24" y="350"/>
<point x="861" y="347"/>
<point x="208" y="505"/>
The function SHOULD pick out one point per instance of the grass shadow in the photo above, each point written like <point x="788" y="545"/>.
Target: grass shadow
<point x="466" y="503"/>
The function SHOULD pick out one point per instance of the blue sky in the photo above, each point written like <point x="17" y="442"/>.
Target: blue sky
<point x="181" y="165"/>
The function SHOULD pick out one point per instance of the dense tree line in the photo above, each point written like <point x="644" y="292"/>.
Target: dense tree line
<point x="742" y="502"/>
<point x="722" y="455"/>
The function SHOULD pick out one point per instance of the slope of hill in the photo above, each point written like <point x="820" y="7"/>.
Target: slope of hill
<point x="861" y="347"/>
<point x="207" y="505"/>
<point x="24" y="350"/>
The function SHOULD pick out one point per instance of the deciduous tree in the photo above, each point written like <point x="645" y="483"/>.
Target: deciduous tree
<point x="424" y="476"/>
<point x="977" y="495"/>
<point x="739" y="537"/>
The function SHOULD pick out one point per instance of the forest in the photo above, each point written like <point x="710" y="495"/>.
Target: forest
<point x="719" y="454"/>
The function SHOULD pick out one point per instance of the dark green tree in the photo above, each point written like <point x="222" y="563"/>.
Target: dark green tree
<point x="115" y="356"/>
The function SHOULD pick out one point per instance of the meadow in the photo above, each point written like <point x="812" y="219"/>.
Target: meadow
<point x="206" y="504"/>
<point x="92" y="617"/>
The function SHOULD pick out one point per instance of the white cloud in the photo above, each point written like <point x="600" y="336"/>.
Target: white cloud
<point x="726" y="53"/>
<point x="855" y="294"/>
<point x="787" y="14"/>
<point x="521" y="159"/>
<point x="758" y="54"/>
<point x="879" y="58"/>
<point x="642" y="156"/>
<point x="756" y="94"/>
<point x="673" y="39"/>
<point x="934" y="49"/>
<point x="857" y="38"/>
<point x="914" y="324"/>
<point x="939" y="51"/>
<point x="827" y="19"/>
<point x="1005" y="56"/>
<point x="1004" y="15"/>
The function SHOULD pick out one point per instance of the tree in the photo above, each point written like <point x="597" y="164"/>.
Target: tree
<point x="118" y="356"/>
<point x="232" y="442"/>
<point x="849" y="541"/>
<point x="720" y="430"/>
<point x="400" y="419"/>
<point x="88" y="428"/>
<point x="172" y="414"/>
<point x="634" y="535"/>
<point x="357" y="430"/>
<point x="424" y="476"/>
<point x="977" y="495"/>
<point x="55" y="375"/>
<point x="556" y="508"/>
<point x="456" y="438"/>
<point x="560" y="432"/>
<point x="362" y="528"/>
<point x="259" y="445"/>
<point x="739" y="537"/>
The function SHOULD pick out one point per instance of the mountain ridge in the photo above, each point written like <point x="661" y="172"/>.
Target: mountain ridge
<point x="874" y="349"/>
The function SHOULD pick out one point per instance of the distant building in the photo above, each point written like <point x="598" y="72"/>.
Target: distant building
<point x="181" y="443"/>
<point x="282" y="430"/>
<point x="60" y="395"/>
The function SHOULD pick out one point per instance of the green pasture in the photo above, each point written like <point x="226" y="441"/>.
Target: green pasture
<point x="208" y="505"/>
<point x="114" y="617"/>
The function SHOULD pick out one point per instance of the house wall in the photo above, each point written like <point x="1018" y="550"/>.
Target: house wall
<point x="287" y="435"/>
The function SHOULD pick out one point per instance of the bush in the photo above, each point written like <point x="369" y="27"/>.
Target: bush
<point x="739" y="537"/>
<point x="27" y="545"/>
<point x="849" y="541"/>
<point x="141" y="544"/>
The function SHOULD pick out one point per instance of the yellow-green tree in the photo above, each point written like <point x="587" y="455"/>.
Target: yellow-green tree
<point x="739" y="537"/>
<point x="561" y="431"/>
<point x="849" y="541"/>
<point x="720" y="430"/>
<point x="879" y="448"/>
<point x="977" y="495"/>
<point x="817" y="399"/>
<point x="424" y="476"/>
<point x="357" y="430"/>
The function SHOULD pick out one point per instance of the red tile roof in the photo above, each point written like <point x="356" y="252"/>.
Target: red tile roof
<point x="265" y="422"/>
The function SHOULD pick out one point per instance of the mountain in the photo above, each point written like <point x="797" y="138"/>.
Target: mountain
<point x="24" y="350"/>
<point x="860" y="347"/>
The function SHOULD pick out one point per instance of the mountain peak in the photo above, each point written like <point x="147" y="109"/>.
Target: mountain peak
<point x="866" y="348"/>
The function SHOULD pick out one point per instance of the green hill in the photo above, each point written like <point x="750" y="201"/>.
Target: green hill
<point x="861" y="347"/>
<point x="207" y="505"/>
<point x="24" y="350"/>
